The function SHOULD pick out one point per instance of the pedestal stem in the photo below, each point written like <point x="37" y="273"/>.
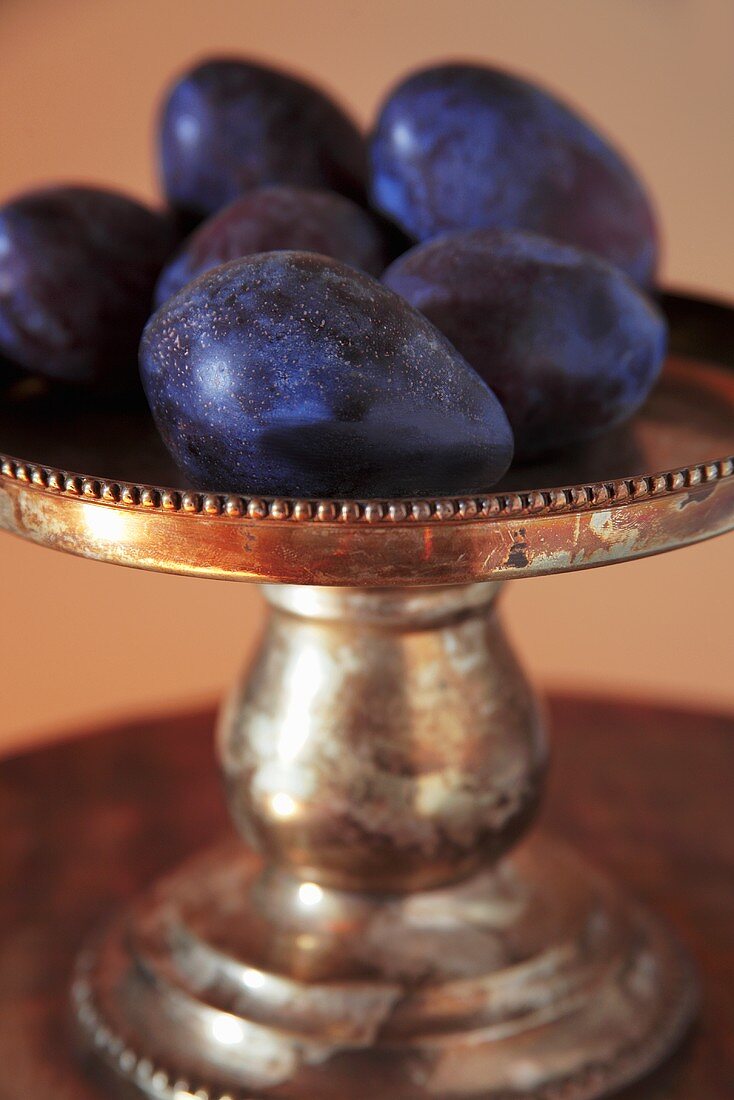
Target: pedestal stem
<point x="384" y="739"/>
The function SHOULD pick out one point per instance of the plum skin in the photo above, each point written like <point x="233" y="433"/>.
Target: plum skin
<point x="78" y="267"/>
<point x="229" y="125"/>
<point x="470" y="147"/>
<point x="570" y="346"/>
<point x="289" y="374"/>
<point x="274" y="218"/>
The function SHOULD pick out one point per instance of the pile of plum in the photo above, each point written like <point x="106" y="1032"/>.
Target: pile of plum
<point x="341" y="316"/>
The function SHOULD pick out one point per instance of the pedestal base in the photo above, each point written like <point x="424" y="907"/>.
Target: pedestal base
<point x="535" y="979"/>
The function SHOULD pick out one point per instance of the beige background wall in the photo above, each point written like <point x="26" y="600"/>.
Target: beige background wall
<point x="78" y="83"/>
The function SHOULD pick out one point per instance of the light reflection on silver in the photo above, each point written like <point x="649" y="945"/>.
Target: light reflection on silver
<point x="105" y="524"/>
<point x="227" y="1030"/>
<point x="283" y="805"/>
<point x="305" y="682"/>
<point x="310" y="895"/>
<point x="253" y="979"/>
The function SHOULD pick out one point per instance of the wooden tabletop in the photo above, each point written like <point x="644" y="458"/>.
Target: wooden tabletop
<point x="647" y="792"/>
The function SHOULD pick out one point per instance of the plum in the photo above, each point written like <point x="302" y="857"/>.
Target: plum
<point x="280" y="217"/>
<point x="78" y="267"/>
<point x="287" y="373"/>
<point x="229" y="125"/>
<point x="567" y="342"/>
<point x="471" y="147"/>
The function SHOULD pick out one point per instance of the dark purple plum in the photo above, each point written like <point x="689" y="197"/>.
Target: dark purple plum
<point x="567" y="342"/>
<point x="290" y="374"/>
<point x="274" y="218"/>
<point x="229" y="125"/>
<point x="469" y="147"/>
<point x="78" y="267"/>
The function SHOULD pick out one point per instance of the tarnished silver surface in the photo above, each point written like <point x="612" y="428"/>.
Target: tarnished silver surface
<point x="535" y="979"/>
<point x="383" y="740"/>
<point x="373" y="938"/>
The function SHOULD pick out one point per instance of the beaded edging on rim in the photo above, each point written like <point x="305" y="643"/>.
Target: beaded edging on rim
<point x="462" y="509"/>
